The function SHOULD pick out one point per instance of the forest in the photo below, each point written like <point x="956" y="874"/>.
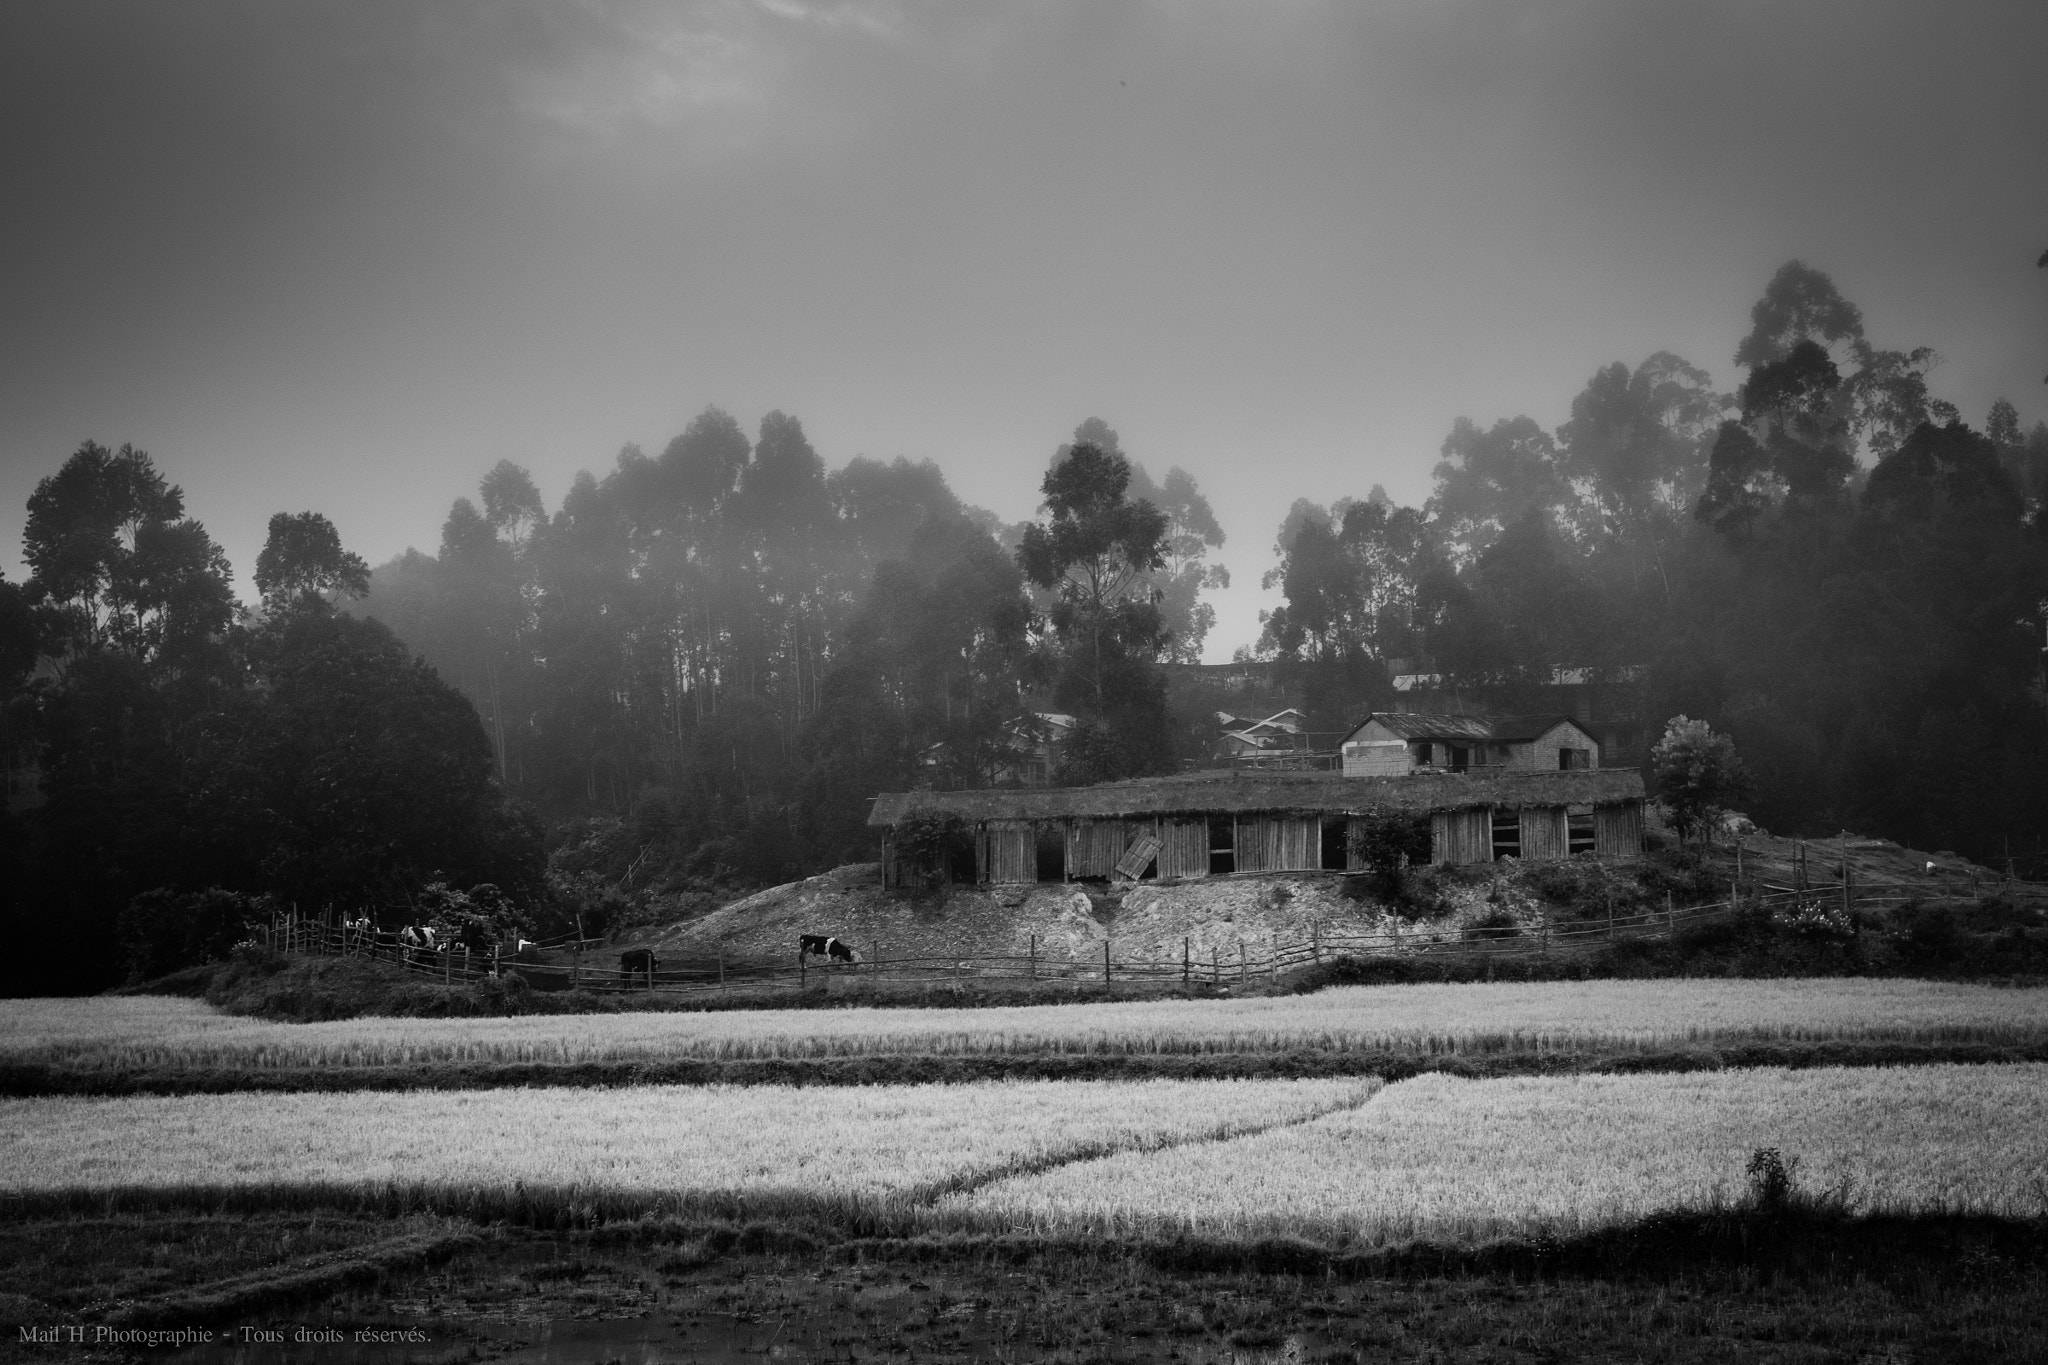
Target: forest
<point x="690" y="675"/>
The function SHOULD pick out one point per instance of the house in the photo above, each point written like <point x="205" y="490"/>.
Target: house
<point x="1243" y="738"/>
<point x="1395" y="743"/>
<point x="1214" y="823"/>
<point x="1035" y="741"/>
<point x="1609" y="702"/>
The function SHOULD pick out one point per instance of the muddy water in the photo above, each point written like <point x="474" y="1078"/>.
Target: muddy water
<point x="548" y="1304"/>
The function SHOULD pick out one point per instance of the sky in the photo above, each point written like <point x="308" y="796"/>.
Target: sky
<point x="347" y="256"/>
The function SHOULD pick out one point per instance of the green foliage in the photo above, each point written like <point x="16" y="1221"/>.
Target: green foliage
<point x="1095" y="552"/>
<point x="1698" y="775"/>
<point x="302" y="564"/>
<point x="1388" y="842"/>
<point x="1773" y="1181"/>
<point x="478" y="919"/>
<point x="162" y="931"/>
<point x="930" y="840"/>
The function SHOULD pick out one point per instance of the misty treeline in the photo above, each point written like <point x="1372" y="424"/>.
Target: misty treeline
<point x="697" y="668"/>
<point x="1828" y="563"/>
<point x="731" y="648"/>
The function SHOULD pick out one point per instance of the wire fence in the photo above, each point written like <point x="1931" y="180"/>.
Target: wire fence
<point x="589" y="964"/>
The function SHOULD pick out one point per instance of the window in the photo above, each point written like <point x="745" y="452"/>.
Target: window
<point x="1579" y="832"/>
<point x="1507" y="833"/>
<point x="1222" y="844"/>
<point x="1570" y="760"/>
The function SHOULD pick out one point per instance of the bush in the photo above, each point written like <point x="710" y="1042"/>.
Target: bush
<point x="1388" y="842"/>
<point x="931" y="840"/>
<point x="161" y="931"/>
<point x="1772" y="1180"/>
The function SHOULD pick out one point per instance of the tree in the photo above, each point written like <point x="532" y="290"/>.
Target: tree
<point x="1093" y="551"/>
<point x="119" y="564"/>
<point x="1488" y="479"/>
<point x="1191" y="532"/>
<point x="373" y="774"/>
<point x="1390" y="841"/>
<point x="1799" y="304"/>
<point x="1698" y="775"/>
<point x="302" y="565"/>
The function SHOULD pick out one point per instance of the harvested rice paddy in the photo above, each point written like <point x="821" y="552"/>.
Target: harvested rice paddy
<point x="1447" y="1158"/>
<point x="1342" y="1163"/>
<point x="153" y="1033"/>
<point x="668" y="1146"/>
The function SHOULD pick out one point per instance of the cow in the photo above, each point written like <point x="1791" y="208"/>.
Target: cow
<point x="525" y="950"/>
<point x="825" y="946"/>
<point x="634" y="961"/>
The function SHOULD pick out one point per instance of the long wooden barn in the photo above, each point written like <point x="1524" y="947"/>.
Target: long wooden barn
<point x="1219" y="823"/>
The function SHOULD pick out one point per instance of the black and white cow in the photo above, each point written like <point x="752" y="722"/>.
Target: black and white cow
<point x="825" y="946"/>
<point x="635" y="961"/>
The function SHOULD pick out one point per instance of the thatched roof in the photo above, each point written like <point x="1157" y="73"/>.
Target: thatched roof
<point x="1240" y="793"/>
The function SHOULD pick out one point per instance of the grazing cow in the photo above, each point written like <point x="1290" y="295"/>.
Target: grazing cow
<point x="525" y="950"/>
<point x="634" y="961"/>
<point x="825" y="946"/>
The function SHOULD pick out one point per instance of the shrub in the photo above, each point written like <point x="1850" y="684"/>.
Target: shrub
<point x="1388" y="841"/>
<point x="1816" y="918"/>
<point x="1771" y="1180"/>
<point x="161" y="931"/>
<point x="930" y="840"/>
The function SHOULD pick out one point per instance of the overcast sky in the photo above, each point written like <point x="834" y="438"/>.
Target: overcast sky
<point x="347" y="256"/>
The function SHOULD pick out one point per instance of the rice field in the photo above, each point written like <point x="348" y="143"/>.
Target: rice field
<point x="650" y="1146"/>
<point x="160" y="1033"/>
<point x="1447" y="1158"/>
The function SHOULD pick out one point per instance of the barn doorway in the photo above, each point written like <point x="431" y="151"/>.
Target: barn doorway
<point x="1051" y="852"/>
<point x="1336" y="845"/>
<point x="1507" y="833"/>
<point x="1222" y="844"/>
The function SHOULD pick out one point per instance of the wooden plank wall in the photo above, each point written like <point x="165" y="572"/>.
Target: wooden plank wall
<point x="1184" y="848"/>
<point x="1543" y="832"/>
<point x="1461" y="836"/>
<point x="1618" y="830"/>
<point x="1093" y="846"/>
<point x="1301" y="844"/>
<point x="1351" y="832"/>
<point x="1268" y="843"/>
<point x="1012" y="851"/>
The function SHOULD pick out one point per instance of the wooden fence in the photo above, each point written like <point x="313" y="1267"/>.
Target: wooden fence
<point x="591" y="965"/>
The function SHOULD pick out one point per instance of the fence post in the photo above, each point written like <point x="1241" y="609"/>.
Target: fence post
<point x="1847" y="878"/>
<point x="448" y="964"/>
<point x="1034" y="957"/>
<point x="1186" y="948"/>
<point x="1315" y="938"/>
<point x="1215" y="964"/>
<point x="1243" y="971"/>
<point x="803" y="970"/>
<point x="1105" y="964"/>
<point x="1670" y="915"/>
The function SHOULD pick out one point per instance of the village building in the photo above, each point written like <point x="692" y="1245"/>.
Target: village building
<point x="1396" y="743"/>
<point x="1217" y="823"/>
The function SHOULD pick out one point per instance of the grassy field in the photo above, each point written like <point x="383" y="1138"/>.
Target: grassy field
<point x="640" y="1149"/>
<point x="163" y="1034"/>
<point x="1336" y="1162"/>
<point x="1450" y="1159"/>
